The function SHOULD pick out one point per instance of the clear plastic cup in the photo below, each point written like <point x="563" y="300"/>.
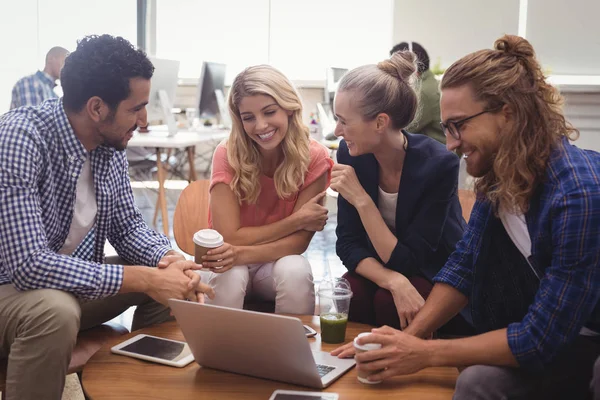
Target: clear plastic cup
<point x="334" y="304"/>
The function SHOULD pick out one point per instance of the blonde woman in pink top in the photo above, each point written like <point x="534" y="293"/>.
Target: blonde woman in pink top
<point x="266" y="195"/>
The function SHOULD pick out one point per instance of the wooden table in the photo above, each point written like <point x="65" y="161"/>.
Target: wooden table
<point x="110" y="376"/>
<point x="159" y="139"/>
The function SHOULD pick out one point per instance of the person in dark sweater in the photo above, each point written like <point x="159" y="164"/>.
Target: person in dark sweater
<point x="399" y="217"/>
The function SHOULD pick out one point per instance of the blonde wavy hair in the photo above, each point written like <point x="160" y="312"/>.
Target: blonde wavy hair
<point x="243" y="153"/>
<point x="510" y="74"/>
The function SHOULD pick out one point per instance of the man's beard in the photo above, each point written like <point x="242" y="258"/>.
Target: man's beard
<point x="118" y="144"/>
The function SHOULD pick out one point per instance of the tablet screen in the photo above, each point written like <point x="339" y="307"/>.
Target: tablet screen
<point x="289" y="396"/>
<point x="155" y="347"/>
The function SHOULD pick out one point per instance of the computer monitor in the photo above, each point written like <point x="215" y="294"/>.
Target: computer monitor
<point x="162" y="92"/>
<point x="211" y="93"/>
<point x="333" y="75"/>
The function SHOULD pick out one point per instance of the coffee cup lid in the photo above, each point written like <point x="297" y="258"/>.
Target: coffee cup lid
<point x="368" y="346"/>
<point x="208" y="238"/>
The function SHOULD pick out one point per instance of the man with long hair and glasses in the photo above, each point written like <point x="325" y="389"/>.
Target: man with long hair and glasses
<point x="528" y="265"/>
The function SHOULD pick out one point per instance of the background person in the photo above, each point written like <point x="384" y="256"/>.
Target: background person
<point x="34" y="89"/>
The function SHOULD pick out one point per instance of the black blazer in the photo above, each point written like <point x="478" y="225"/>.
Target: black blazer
<point x="429" y="220"/>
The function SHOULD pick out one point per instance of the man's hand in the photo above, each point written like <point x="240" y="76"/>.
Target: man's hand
<point x="400" y="354"/>
<point x="197" y="289"/>
<point x="174" y="282"/>
<point x="200" y="289"/>
<point x="169" y="258"/>
<point x="345" y="351"/>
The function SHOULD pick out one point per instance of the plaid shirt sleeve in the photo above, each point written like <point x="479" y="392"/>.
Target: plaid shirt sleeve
<point x="568" y="291"/>
<point x="458" y="270"/>
<point x="26" y="93"/>
<point x="15" y="100"/>
<point x="130" y="235"/>
<point x="23" y="243"/>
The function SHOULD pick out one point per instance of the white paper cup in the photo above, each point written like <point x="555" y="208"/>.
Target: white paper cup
<point x="361" y="348"/>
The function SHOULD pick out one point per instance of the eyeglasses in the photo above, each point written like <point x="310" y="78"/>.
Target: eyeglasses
<point x="453" y="127"/>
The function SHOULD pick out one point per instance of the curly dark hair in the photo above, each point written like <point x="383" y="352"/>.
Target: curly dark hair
<point x="102" y="66"/>
<point x="422" y="56"/>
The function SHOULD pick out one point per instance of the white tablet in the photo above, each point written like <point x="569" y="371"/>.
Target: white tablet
<point x="298" y="395"/>
<point x="156" y="349"/>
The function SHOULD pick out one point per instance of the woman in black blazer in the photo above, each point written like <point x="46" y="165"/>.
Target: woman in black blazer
<point x="399" y="217"/>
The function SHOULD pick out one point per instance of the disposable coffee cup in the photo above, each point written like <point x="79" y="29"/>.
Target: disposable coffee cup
<point x="361" y="348"/>
<point x="204" y="240"/>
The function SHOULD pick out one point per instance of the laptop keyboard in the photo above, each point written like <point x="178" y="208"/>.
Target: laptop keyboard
<point x="324" y="369"/>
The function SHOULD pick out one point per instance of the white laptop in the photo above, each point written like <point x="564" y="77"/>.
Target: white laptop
<point x="257" y="344"/>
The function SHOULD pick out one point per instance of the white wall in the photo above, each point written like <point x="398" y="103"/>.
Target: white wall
<point x="29" y="28"/>
<point x="20" y="53"/>
<point x="582" y="109"/>
<point x="452" y="29"/>
<point x="565" y="35"/>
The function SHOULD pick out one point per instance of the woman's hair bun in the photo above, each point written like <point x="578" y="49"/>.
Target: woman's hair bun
<point x="401" y="65"/>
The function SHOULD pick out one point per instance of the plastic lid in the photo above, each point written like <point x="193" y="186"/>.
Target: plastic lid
<point x="368" y="346"/>
<point x="208" y="238"/>
<point x="338" y="288"/>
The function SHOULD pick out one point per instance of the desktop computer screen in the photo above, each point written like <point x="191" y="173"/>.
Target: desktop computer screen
<point x="333" y="76"/>
<point x="162" y="92"/>
<point x="332" y="80"/>
<point x="211" y="93"/>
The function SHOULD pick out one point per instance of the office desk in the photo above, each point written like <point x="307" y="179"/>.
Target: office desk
<point x="111" y="376"/>
<point x="159" y="139"/>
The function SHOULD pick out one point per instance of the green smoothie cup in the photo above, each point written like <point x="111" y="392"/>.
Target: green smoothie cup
<point x="334" y="304"/>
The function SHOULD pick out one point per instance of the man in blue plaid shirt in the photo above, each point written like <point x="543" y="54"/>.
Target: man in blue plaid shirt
<point x="65" y="190"/>
<point x="528" y="265"/>
<point x="32" y="90"/>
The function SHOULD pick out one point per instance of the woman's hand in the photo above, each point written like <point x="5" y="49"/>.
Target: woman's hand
<point x="345" y="182"/>
<point x="221" y="259"/>
<point x="407" y="299"/>
<point x="313" y="215"/>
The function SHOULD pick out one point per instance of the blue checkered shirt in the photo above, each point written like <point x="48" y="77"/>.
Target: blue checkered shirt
<point x="564" y="226"/>
<point x="32" y="90"/>
<point x="40" y="162"/>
